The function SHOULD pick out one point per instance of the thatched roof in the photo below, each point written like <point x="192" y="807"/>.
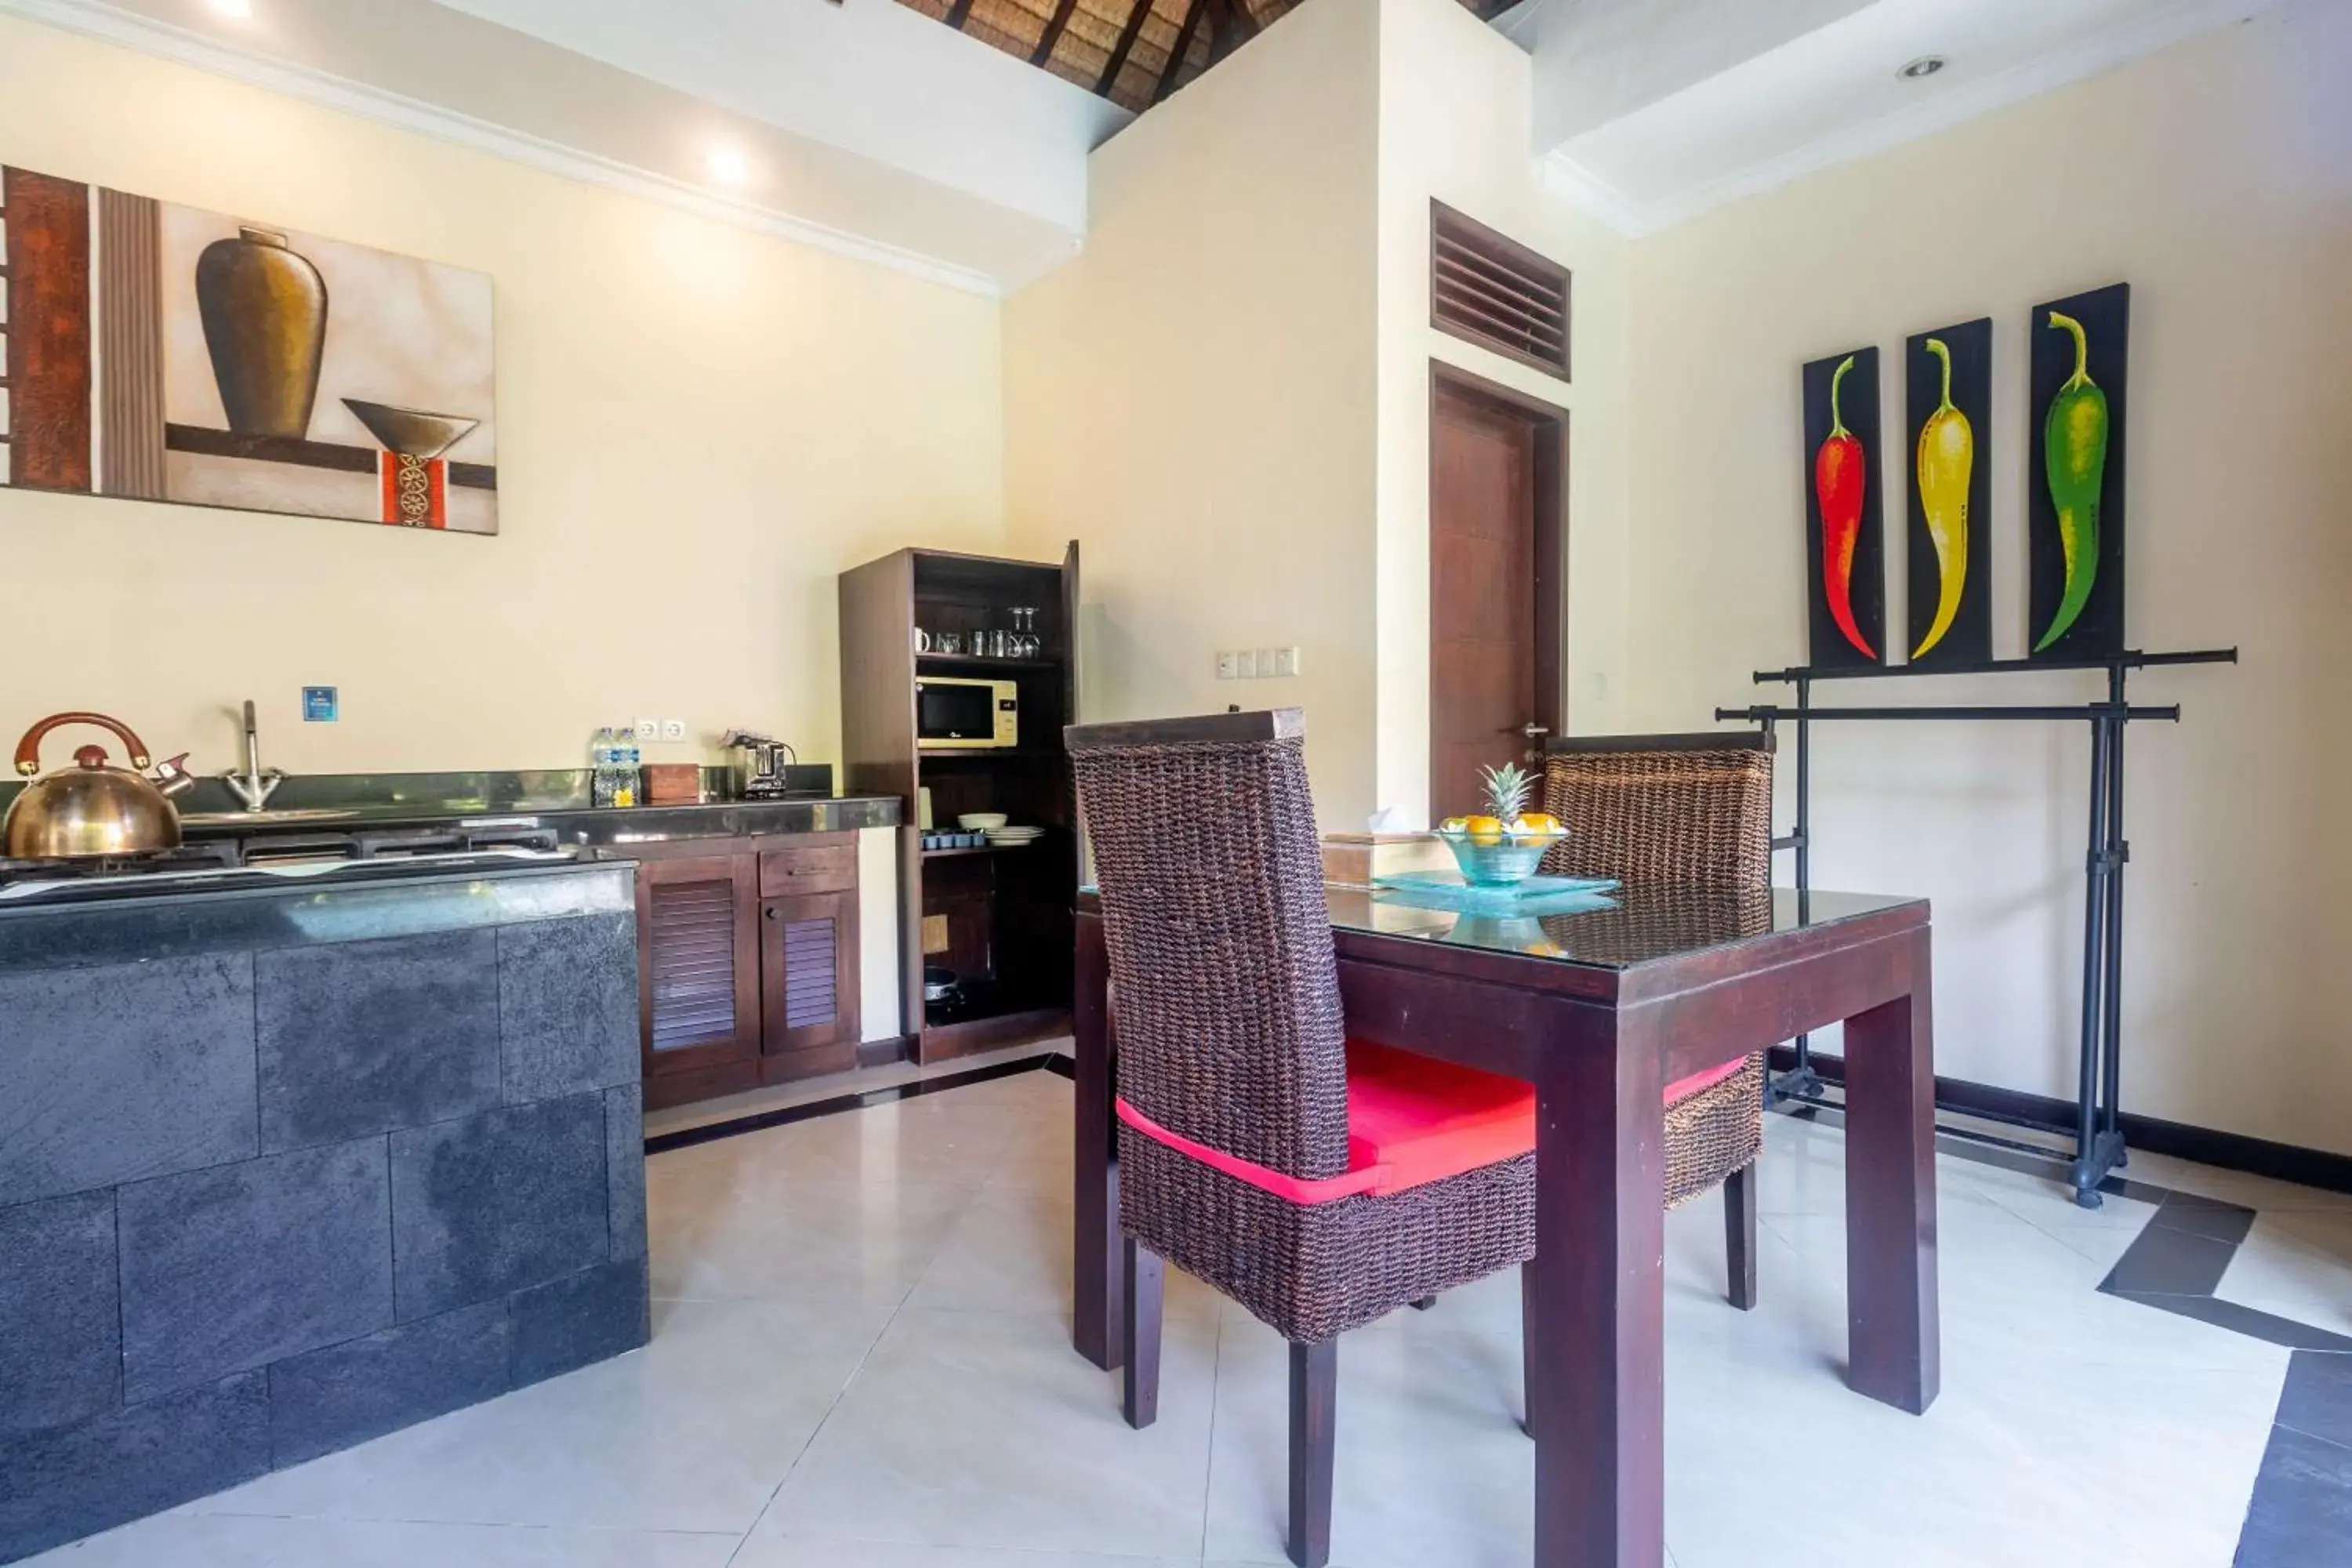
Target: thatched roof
<point x="1133" y="52"/>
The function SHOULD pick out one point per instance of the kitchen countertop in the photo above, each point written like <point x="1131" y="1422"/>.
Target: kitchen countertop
<point x="596" y="828"/>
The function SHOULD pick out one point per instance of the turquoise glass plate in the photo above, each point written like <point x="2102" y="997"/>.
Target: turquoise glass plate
<point x="1535" y="896"/>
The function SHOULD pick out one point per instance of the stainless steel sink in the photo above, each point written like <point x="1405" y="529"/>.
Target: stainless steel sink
<point x="267" y="818"/>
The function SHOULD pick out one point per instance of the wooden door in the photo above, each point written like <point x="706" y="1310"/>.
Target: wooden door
<point x="808" y="984"/>
<point x="698" y="976"/>
<point x="1497" y="466"/>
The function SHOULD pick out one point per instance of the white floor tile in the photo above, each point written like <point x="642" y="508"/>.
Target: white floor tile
<point x="693" y="1433"/>
<point x="774" y="1232"/>
<point x="777" y="1551"/>
<point x="2296" y="1265"/>
<point x="984" y="1429"/>
<point x="223" y="1540"/>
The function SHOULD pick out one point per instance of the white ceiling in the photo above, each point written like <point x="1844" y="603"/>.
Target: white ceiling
<point x="1651" y="111"/>
<point x="871" y="129"/>
<point x="865" y="127"/>
<point x="870" y="76"/>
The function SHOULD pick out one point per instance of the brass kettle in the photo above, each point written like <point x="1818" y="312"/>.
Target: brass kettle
<point x="90" y="809"/>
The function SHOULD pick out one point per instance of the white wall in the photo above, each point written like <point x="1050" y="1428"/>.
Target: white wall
<point x="2217" y="179"/>
<point x="1454" y="105"/>
<point x="1192" y="398"/>
<point x="699" y="427"/>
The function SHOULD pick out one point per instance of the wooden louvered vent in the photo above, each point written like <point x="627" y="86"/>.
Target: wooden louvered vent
<point x="1496" y="292"/>
<point x="692" y="942"/>
<point x="809" y="996"/>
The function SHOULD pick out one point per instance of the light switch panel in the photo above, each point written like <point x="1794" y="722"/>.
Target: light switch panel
<point x="1285" y="661"/>
<point x="1245" y="664"/>
<point x="1229" y="666"/>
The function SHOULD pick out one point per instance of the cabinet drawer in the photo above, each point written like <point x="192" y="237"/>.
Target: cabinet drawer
<point x="808" y="869"/>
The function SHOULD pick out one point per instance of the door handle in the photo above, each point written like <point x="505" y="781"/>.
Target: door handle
<point x="1531" y="730"/>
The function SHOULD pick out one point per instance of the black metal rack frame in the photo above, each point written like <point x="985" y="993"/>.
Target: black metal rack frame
<point x="2098" y="1137"/>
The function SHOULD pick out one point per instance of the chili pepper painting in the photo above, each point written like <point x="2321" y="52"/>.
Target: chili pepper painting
<point x="2074" y="514"/>
<point x="1844" y="546"/>
<point x="1947" y="377"/>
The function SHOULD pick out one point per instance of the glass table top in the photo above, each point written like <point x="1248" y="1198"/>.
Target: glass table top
<point x="1637" y="925"/>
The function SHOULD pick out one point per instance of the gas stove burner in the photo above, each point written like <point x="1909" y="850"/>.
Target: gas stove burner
<point x="219" y="855"/>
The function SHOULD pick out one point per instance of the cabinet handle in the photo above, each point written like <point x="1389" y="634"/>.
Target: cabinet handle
<point x="770" y="913"/>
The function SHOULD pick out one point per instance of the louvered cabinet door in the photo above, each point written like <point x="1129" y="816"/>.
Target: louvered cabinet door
<point x="698" y="976"/>
<point x="808" y="982"/>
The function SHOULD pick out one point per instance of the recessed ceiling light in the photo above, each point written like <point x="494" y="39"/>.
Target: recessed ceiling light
<point x="242" y="10"/>
<point x="1924" y="66"/>
<point x="728" y="166"/>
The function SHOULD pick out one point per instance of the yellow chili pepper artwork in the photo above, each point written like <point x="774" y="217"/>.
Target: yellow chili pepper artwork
<point x="1947" y="455"/>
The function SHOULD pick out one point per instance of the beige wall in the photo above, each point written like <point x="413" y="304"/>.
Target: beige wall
<point x="2217" y="179"/>
<point x="699" y="427"/>
<point x="1192" y="398"/>
<point x="1454" y="105"/>
<point x="1225" y="398"/>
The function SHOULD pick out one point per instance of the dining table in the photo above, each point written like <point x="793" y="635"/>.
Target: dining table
<point x="1598" y="1009"/>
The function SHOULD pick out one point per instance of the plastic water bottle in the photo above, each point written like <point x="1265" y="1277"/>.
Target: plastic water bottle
<point x="629" y="768"/>
<point x="603" y="775"/>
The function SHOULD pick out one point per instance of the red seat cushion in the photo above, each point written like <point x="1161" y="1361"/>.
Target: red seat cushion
<point x="1411" y="1120"/>
<point x="1417" y="1119"/>
<point x="1682" y="1088"/>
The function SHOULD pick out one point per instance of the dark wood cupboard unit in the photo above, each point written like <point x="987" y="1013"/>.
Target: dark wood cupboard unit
<point x="746" y="963"/>
<point x="999" y="918"/>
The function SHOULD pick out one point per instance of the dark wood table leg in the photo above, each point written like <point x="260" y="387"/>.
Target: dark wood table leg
<point x="1740" y="1237"/>
<point x="1098" y="1285"/>
<point x="1892" y="1347"/>
<point x="1597" y="1381"/>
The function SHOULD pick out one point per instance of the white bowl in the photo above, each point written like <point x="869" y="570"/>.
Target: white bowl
<point x="982" y="821"/>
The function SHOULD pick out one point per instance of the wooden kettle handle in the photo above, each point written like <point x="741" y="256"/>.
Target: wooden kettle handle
<point x="28" y="750"/>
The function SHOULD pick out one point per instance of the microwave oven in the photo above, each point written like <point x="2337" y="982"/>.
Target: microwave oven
<point x="957" y="713"/>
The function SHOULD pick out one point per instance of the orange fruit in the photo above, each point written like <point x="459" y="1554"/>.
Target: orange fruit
<point x="1484" y="829"/>
<point x="1538" y="822"/>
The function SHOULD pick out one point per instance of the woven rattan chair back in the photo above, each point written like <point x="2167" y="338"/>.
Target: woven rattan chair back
<point x="1691" y="811"/>
<point x="1224" y="984"/>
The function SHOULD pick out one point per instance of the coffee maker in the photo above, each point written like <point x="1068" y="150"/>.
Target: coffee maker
<point x="764" y="768"/>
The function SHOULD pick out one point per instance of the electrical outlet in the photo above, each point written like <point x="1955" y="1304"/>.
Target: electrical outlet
<point x="1229" y="666"/>
<point x="1245" y="664"/>
<point x="1285" y="661"/>
<point x="673" y="729"/>
<point x="648" y="732"/>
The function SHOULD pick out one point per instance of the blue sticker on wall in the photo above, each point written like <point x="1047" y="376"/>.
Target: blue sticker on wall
<point x="319" y="705"/>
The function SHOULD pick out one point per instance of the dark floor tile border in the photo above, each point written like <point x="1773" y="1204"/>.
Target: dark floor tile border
<point x="867" y="1100"/>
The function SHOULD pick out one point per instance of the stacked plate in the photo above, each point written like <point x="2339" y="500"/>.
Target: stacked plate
<point x="1014" y="837"/>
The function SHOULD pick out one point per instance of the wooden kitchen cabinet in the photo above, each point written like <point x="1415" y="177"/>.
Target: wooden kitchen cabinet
<point x="808" y="985"/>
<point x="746" y="963"/>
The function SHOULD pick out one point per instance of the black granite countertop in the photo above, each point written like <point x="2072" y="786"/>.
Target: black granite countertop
<point x="359" y="902"/>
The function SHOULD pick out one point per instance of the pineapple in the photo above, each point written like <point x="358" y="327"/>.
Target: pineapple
<point x="1506" y="798"/>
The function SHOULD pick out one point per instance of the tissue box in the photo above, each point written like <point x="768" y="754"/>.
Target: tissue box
<point x="1354" y="859"/>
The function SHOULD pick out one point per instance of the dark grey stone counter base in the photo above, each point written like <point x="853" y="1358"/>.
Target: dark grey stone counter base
<point x="258" y="1207"/>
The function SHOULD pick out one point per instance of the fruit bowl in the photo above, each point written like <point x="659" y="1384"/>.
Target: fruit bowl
<point x="1497" y="859"/>
<point x="1503" y="846"/>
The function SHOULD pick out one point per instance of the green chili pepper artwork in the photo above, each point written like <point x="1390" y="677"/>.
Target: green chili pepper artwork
<point x="2075" y="478"/>
<point x="1947" y="377"/>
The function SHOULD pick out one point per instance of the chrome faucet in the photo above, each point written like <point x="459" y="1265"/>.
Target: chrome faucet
<point x="254" y="787"/>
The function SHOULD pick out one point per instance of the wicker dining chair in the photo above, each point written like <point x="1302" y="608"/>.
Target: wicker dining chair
<point x="1684" y="812"/>
<point x="1320" y="1182"/>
